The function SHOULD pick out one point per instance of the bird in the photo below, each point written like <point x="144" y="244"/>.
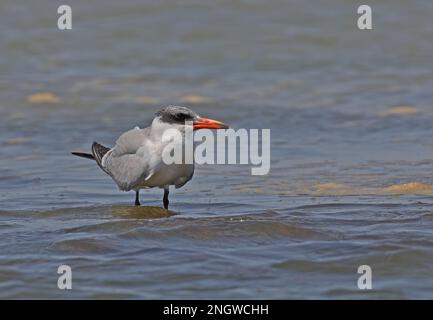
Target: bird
<point x="136" y="160"/>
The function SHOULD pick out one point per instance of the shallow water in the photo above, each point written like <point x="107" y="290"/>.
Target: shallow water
<point x="350" y="113"/>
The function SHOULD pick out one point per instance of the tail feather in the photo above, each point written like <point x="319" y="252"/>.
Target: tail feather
<point x="84" y="155"/>
<point x="98" y="151"/>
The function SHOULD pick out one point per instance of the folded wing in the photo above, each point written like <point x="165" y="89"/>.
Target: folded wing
<point x="128" y="161"/>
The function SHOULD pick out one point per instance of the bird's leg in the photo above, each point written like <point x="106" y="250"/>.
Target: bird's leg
<point x="165" y="199"/>
<point x="137" y="197"/>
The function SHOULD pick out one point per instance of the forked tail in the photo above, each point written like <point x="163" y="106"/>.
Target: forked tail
<point x="84" y="155"/>
<point x="98" y="152"/>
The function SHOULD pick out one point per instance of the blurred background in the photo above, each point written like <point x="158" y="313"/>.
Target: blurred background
<point x="351" y="119"/>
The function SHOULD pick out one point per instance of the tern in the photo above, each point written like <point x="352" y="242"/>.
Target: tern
<point x="136" y="160"/>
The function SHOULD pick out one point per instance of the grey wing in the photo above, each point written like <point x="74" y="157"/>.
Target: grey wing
<point x="128" y="161"/>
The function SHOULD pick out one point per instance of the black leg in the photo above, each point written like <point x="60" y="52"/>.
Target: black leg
<point x="137" y="197"/>
<point x="165" y="199"/>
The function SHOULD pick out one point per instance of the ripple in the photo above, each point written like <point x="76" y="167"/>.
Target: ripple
<point x="401" y="111"/>
<point x="43" y="98"/>
<point x="410" y="188"/>
<point x="82" y="246"/>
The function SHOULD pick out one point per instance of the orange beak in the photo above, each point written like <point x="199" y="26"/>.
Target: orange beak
<point x="204" y="123"/>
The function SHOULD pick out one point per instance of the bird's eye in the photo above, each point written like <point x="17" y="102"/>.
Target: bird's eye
<point x="182" y="117"/>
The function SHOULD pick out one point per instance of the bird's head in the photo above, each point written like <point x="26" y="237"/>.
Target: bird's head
<point x="179" y="116"/>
